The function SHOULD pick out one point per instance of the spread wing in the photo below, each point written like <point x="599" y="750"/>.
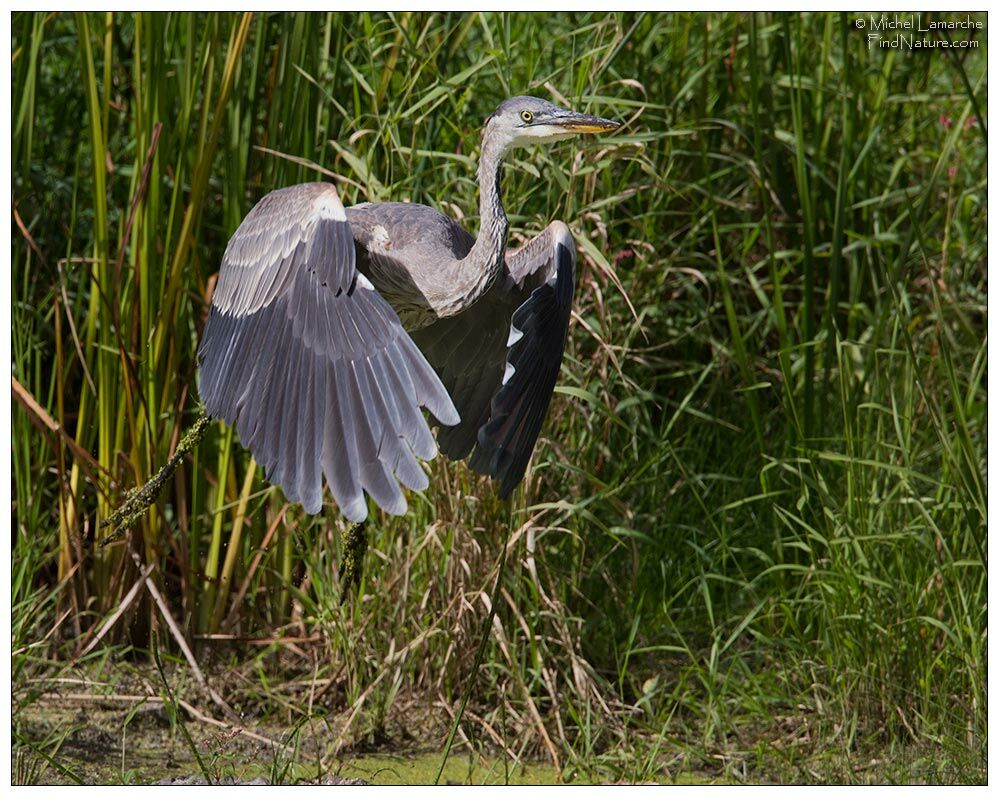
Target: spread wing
<point x="500" y="359"/>
<point x="312" y="365"/>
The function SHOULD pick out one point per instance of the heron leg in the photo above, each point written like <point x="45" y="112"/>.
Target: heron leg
<point x="355" y="544"/>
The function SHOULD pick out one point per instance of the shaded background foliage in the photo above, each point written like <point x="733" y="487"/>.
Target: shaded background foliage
<point x="758" y="509"/>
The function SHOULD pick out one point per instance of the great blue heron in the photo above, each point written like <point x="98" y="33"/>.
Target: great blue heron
<point x="329" y="328"/>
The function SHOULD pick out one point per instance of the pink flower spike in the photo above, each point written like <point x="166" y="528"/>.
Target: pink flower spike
<point x="970" y="122"/>
<point x="945" y="120"/>
<point x="952" y="171"/>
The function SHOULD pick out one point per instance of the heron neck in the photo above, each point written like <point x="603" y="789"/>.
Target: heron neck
<point x="485" y="260"/>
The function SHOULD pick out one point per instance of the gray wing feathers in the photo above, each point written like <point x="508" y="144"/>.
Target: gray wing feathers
<point x="312" y="365"/>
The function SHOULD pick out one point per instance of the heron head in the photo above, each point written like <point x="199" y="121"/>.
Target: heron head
<point x="522" y="121"/>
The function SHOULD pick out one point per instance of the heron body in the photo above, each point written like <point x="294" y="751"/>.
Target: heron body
<point x="330" y="328"/>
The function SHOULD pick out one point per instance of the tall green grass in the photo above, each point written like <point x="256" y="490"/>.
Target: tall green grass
<point x="754" y="530"/>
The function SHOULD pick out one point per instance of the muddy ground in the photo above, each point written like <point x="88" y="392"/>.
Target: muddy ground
<point x="66" y="739"/>
<point x="74" y="737"/>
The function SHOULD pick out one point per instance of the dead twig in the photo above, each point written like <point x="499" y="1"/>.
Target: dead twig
<point x="27" y="237"/>
<point x="127" y="601"/>
<point x="178" y="636"/>
<point x="208" y="720"/>
<point x="200" y="716"/>
<point x="49" y="425"/>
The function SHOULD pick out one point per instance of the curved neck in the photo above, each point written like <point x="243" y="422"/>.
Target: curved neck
<point x="493" y="226"/>
<point x="465" y="281"/>
<point x="486" y="256"/>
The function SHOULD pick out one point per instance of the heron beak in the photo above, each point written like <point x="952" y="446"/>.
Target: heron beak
<point x="580" y="123"/>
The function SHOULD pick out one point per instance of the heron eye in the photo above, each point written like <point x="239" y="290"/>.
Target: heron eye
<point x="527" y="116"/>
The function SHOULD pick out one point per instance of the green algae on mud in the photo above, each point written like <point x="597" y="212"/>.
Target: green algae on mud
<point x="62" y="740"/>
<point x="461" y="768"/>
<point x="62" y="745"/>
